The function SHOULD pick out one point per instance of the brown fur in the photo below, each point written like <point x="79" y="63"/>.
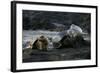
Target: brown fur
<point x="41" y="43"/>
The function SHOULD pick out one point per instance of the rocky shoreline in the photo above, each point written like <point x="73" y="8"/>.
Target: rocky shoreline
<point x="30" y="55"/>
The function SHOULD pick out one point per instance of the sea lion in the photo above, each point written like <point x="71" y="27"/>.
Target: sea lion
<point x="41" y="43"/>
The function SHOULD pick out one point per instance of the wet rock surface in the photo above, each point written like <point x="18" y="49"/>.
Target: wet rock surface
<point x="56" y="54"/>
<point x="71" y="49"/>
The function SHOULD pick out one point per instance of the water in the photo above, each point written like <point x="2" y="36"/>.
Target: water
<point x="30" y="35"/>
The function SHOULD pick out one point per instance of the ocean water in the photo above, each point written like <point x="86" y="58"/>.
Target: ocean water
<point x="52" y="54"/>
<point x="31" y="35"/>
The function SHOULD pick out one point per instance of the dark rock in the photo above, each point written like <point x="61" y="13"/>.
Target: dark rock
<point x="56" y="44"/>
<point x="73" y="42"/>
<point x="33" y="20"/>
<point x="66" y="42"/>
<point x="34" y="45"/>
<point x="78" y="41"/>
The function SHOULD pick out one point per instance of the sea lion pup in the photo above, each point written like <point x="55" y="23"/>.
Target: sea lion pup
<point x="41" y="43"/>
